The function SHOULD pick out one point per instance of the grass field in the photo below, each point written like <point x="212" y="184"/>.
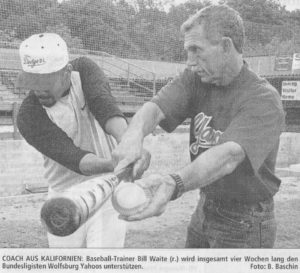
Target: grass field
<point x="21" y="228"/>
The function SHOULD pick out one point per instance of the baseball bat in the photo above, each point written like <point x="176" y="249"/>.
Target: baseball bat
<point x="64" y="214"/>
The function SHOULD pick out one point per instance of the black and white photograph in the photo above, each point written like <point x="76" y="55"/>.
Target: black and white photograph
<point x="137" y="134"/>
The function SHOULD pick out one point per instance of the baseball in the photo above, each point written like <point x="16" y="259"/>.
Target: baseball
<point x="128" y="198"/>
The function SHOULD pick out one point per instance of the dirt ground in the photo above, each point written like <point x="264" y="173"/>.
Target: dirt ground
<point x="21" y="228"/>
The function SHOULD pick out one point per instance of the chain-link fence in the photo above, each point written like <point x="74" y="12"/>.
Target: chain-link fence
<point x="137" y="42"/>
<point x="141" y="29"/>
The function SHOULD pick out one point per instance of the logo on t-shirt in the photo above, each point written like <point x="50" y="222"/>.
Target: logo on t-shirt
<point x="205" y="135"/>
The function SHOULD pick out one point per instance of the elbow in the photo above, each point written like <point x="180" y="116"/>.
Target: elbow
<point x="229" y="167"/>
<point x="235" y="156"/>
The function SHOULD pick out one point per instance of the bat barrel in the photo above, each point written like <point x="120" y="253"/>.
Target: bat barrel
<point x="61" y="216"/>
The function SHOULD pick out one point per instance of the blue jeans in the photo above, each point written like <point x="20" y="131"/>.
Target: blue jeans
<point x="216" y="224"/>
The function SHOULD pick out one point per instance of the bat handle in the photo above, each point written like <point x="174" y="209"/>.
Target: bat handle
<point x="125" y="174"/>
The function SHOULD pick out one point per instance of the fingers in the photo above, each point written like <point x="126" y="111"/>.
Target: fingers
<point x="156" y="205"/>
<point x="129" y="150"/>
<point x="154" y="209"/>
<point x="147" y="160"/>
<point x="122" y="217"/>
<point x="142" y="164"/>
<point x="139" y="168"/>
<point x="123" y="163"/>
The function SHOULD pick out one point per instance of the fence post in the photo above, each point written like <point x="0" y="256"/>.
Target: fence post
<point x="154" y="85"/>
<point x="14" y="119"/>
<point x="128" y="75"/>
<point x="102" y="59"/>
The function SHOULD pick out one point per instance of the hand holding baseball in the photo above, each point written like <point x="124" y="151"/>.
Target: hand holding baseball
<point x="159" y="189"/>
<point x="129" y="199"/>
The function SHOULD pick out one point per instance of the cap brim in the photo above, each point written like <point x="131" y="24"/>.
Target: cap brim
<point x="32" y="81"/>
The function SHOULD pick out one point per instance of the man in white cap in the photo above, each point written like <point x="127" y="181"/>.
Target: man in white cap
<point x="60" y="118"/>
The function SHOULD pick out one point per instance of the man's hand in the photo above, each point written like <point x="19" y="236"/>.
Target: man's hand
<point x="142" y="164"/>
<point x="130" y="150"/>
<point x="160" y="189"/>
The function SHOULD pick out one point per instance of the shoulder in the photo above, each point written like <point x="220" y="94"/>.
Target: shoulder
<point x="263" y="103"/>
<point x="30" y="111"/>
<point x="29" y="103"/>
<point x="259" y="89"/>
<point x="83" y="62"/>
<point x="88" y="69"/>
<point x="271" y="98"/>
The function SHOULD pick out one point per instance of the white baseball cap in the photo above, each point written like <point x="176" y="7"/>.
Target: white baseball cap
<point x="41" y="54"/>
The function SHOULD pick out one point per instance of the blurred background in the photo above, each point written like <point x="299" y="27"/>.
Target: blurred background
<point x="138" y="42"/>
<point x="144" y="29"/>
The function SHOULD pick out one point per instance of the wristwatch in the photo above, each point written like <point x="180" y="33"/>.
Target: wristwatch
<point x="179" y="188"/>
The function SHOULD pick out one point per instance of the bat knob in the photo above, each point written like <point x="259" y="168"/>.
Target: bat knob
<point x="61" y="216"/>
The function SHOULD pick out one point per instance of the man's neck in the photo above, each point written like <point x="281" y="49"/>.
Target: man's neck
<point x="66" y="92"/>
<point x="233" y="69"/>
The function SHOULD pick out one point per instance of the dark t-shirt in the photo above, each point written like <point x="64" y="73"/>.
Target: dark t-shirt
<point x="248" y="111"/>
<point x="40" y="132"/>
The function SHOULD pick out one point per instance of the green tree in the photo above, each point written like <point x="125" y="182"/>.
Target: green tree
<point x="143" y="29"/>
<point x="65" y="33"/>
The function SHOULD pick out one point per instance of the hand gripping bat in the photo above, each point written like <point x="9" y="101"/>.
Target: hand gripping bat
<point x="64" y="214"/>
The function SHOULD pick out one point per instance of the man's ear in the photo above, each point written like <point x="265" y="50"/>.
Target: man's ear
<point x="67" y="71"/>
<point x="69" y="68"/>
<point x="227" y="44"/>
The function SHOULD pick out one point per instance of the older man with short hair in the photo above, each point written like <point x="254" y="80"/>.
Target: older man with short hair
<point x="236" y="121"/>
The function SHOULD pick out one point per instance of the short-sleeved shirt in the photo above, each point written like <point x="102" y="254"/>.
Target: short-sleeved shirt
<point x="248" y="111"/>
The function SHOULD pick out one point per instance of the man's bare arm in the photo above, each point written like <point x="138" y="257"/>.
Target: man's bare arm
<point x="142" y="124"/>
<point x="212" y="165"/>
<point x="116" y="126"/>
<point x="91" y="164"/>
<point x="145" y="120"/>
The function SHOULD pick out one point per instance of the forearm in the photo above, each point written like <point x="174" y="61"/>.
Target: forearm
<point x="145" y="121"/>
<point x="90" y="164"/>
<point x="116" y="126"/>
<point x="45" y="136"/>
<point x="207" y="168"/>
<point x="130" y="149"/>
<point x="212" y="165"/>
